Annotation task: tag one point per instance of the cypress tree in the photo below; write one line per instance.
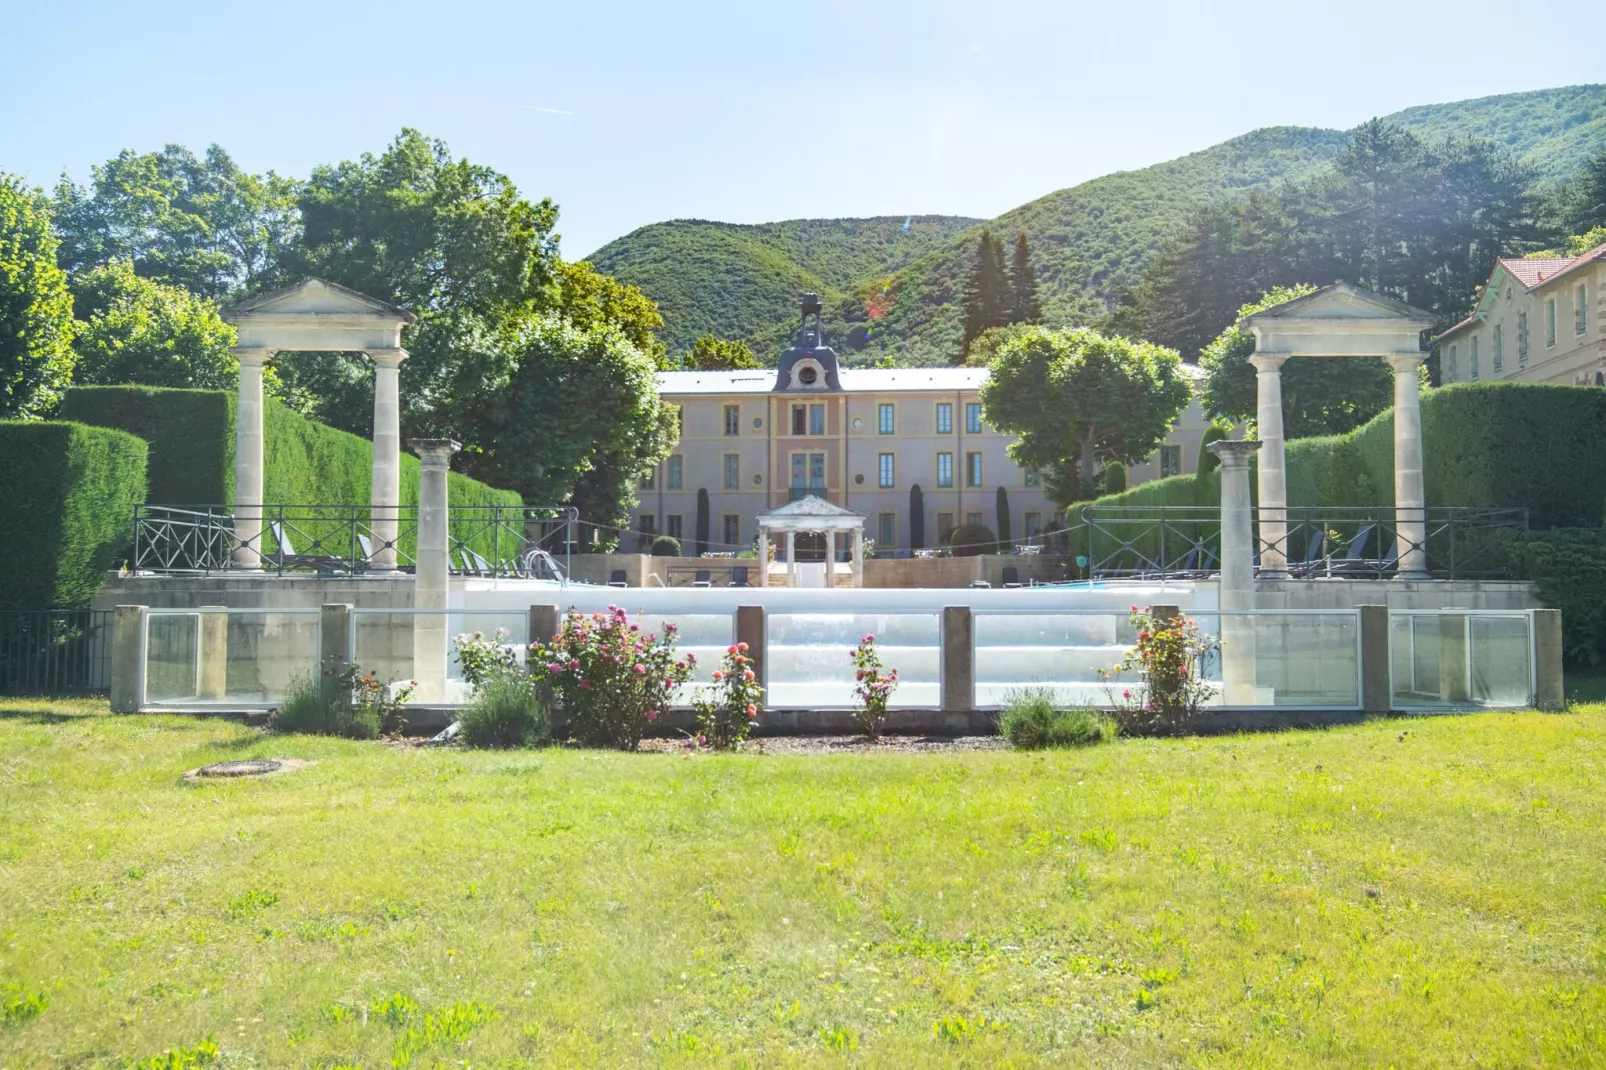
(1026, 308)
(917, 518)
(702, 521)
(987, 298)
(1003, 518)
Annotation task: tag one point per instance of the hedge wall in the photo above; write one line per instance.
(183, 429)
(1496, 445)
(191, 436)
(69, 493)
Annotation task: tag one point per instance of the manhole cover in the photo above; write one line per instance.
(253, 767)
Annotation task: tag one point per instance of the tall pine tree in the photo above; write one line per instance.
(988, 299)
(1026, 308)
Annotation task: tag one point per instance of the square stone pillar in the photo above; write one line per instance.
(248, 457)
(958, 660)
(385, 489)
(858, 557)
(750, 629)
(432, 575)
(213, 681)
(128, 658)
(334, 647)
(1273, 465)
(1377, 693)
(1548, 689)
(1410, 499)
(791, 558)
(763, 558)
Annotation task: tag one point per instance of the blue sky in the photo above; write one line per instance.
(628, 113)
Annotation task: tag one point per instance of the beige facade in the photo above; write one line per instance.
(1537, 321)
(860, 438)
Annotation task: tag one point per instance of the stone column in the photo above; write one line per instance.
(830, 558)
(385, 494)
(1549, 692)
(128, 658)
(791, 558)
(248, 458)
(763, 557)
(858, 557)
(1377, 694)
(1237, 586)
(1410, 501)
(1273, 467)
(958, 689)
(432, 576)
(334, 647)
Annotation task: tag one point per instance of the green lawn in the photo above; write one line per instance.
(1411, 892)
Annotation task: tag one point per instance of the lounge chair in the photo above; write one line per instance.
(704, 578)
(1012, 577)
(288, 558)
(738, 576)
(616, 578)
(981, 584)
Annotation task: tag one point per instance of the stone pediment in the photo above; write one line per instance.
(1339, 321)
(315, 314)
(809, 507)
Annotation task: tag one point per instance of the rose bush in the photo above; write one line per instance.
(1169, 660)
(730, 712)
(872, 687)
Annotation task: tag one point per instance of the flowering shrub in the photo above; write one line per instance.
(724, 719)
(1169, 659)
(483, 659)
(872, 687)
(612, 680)
(356, 705)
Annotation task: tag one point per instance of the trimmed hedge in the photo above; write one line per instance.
(1493, 445)
(182, 428)
(70, 492)
(1568, 566)
(191, 436)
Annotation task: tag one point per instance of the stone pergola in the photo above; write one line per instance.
(1341, 321)
(318, 315)
(810, 515)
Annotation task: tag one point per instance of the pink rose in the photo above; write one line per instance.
(641, 670)
(752, 710)
(585, 683)
(730, 650)
(748, 674)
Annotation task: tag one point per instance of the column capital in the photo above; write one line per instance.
(1268, 362)
(252, 356)
(1405, 362)
(387, 358)
(435, 451)
(1234, 454)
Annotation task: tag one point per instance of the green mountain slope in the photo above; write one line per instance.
(736, 280)
(1088, 240)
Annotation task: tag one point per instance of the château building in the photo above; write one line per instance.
(861, 438)
(1536, 321)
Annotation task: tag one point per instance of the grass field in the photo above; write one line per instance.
(1406, 892)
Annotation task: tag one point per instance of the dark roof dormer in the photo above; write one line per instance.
(810, 365)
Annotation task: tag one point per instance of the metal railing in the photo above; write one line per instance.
(55, 651)
(1178, 542)
(483, 540)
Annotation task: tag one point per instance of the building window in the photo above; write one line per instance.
(817, 471)
(973, 469)
(1034, 478)
(733, 472)
(733, 532)
(647, 524)
(1550, 322)
(945, 469)
(887, 471)
(800, 419)
(973, 519)
(1474, 356)
(1580, 309)
(1452, 367)
(945, 528)
(1522, 337)
(1170, 461)
(1500, 343)
(886, 531)
(945, 419)
(883, 417)
(972, 417)
(677, 472)
(733, 419)
(816, 419)
(652, 477)
(672, 525)
(1034, 525)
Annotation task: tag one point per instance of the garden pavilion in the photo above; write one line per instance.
(818, 522)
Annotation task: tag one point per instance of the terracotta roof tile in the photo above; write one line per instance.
(1532, 272)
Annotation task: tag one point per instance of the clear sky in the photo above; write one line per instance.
(629, 112)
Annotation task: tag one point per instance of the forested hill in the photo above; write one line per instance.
(736, 281)
(1088, 241)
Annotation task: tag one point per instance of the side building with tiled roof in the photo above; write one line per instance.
(1536, 321)
(861, 438)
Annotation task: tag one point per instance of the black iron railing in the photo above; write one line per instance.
(483, 540)
(1333, 543)
(55, 651)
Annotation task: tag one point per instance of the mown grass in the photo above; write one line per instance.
(1407, 892)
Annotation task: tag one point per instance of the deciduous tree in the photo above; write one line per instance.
(137, 330)
(1075, 398)
(709, 354)
(36, 322)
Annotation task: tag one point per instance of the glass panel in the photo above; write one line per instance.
(885, 418)
(383, 642)
(1452, 659)
(1499, 670)
(799, 463)
(816, 471)
(811, 668)
(239, 658)
(816, 419)
(1060, 651)
(1305, 660)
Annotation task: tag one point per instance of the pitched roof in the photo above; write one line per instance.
(269, 300)
(811, 507)
(1298, 307)
(1531, 273)
(854, 380)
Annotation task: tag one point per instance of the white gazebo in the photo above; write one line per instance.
(1341, 321)
(318, 315)
(810, 516)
